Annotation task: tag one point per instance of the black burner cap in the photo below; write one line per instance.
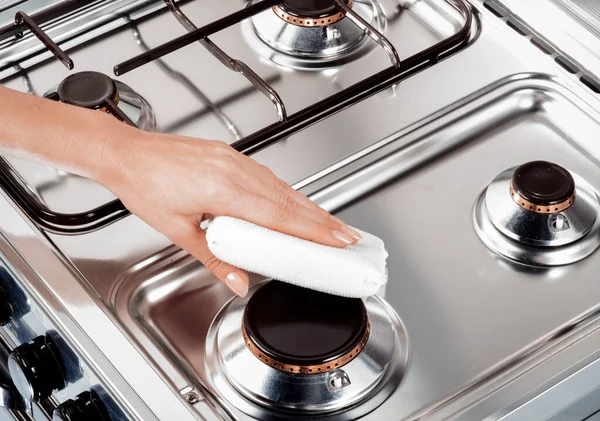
(298, 326)
(310, 8)
(543, 183)
(87, 89)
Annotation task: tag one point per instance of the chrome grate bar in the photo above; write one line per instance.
(231, 63)
(372, 32)
(191, 37)
(23, 19)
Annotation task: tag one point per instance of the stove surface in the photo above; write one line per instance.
(406, 163)
(587, 12)
(469, 316)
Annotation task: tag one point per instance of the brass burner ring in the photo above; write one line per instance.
(310, 22)
(548, 209)
(309, 369)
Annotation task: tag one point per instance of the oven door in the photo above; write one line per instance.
(12, 406)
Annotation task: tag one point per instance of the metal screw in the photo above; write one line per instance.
(192, 397)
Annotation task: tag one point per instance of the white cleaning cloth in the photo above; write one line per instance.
(356, 271)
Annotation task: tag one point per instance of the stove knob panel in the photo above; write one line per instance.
(87, 406)
(37, 368)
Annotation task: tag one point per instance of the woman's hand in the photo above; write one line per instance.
(173, 183)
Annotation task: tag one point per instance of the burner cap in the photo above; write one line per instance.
(87, 89)
(543, 184)
(303, 329)
(310, 8)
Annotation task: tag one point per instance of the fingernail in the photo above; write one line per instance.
(352, 233)
(236, 284)
(342, 237)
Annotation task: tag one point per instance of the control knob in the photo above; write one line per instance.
(6, 309)
(87, 406)
(37, 368)
(13, 301)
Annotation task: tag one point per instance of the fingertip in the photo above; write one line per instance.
(351, 232)
(237, 283)
(342, 238)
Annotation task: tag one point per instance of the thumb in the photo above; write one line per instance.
(194, 242)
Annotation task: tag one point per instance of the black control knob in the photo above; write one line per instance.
(37, 368)
(87, 406)
(10, 398)
(5, 307)
(13, 301)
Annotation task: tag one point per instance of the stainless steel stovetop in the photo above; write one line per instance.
(483, 328)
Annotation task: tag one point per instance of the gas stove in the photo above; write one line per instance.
(460, 132)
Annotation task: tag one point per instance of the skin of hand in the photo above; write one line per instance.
(171, 182)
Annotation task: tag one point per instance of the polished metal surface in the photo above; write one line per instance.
(515, 121)
(586, 12)
(370, 377)
(9, 8)
(487, 336)
(538, 229)
(232, 64)
(371, 31)
(99, 17)
(567, 27)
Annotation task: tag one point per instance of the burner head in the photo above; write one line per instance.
(87, 89)
(315, 34)
(540, 222)
(303, 331)
(542, 187)
(310, 12)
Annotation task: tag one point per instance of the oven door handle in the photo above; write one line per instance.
(10, 398)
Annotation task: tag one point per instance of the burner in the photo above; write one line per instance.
(88, 90)
(310, 12)
(260, 351)
(93, 90)
(531, 214)
(313, 34)
(303, 331)
(543, 187)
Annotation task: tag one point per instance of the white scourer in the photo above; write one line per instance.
(356, 271)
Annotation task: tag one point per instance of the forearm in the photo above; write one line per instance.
(77, 140)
